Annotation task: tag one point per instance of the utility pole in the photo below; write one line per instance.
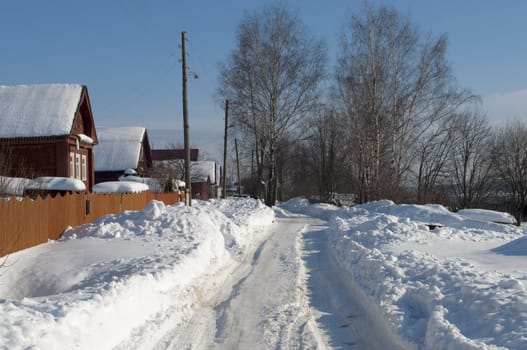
(188, 197)
(224, 175)
(238, 167)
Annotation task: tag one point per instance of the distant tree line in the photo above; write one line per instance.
(389, 123)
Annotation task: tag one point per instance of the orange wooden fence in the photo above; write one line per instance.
(29, 222)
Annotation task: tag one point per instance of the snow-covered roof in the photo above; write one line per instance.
(38, 110)
(118, 148)
(203, 169)
(56, 184)
(119, 187)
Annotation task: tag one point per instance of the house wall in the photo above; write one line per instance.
(202, 190)
(48, 156)
(144, 164)
(83, 123)
(32, 157)
(78, 151)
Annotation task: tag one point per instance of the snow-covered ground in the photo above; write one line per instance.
(103, 280)
(439, 279)
(236, 274)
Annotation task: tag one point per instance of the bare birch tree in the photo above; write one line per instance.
(395, 86)
(470, 162)
(271, 80)
(326, 150)
(432, 166)
(509, 159)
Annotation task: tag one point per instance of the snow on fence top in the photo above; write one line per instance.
(118, 148)
(56, 184)
(119, 187)
(38, 110)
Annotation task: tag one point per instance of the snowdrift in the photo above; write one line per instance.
(449, 287)
(101, 281)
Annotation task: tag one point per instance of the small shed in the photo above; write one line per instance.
(204, 177)
(47, 130)
(120, 149)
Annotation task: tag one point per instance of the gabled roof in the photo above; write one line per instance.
(119, 148)
(38, 110)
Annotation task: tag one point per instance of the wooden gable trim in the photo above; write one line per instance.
(83, 122)
(147, 152)
(33, 139)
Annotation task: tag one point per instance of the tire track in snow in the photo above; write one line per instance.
(268, 309)
(342, 313)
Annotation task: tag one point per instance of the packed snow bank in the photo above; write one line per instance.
(102, 280)
(488, 215)
(440, 288)
(320, 210)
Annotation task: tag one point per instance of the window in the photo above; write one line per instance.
(77, 166)
(83, 169)
(72, 164)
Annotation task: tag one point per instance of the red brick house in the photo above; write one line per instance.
(120, 149)
(48, 130)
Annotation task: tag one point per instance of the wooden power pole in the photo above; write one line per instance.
(238, 168)
(188, 197)
(224, 174)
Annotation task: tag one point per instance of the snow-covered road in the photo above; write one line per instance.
(285, 294)
(267, 308)
(260, 303)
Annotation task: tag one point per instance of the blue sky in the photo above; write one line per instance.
(127, 53)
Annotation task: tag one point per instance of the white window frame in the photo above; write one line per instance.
(72, 165)
(77, 166)
(83, 168)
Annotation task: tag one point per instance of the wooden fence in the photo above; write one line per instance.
(29, 222)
